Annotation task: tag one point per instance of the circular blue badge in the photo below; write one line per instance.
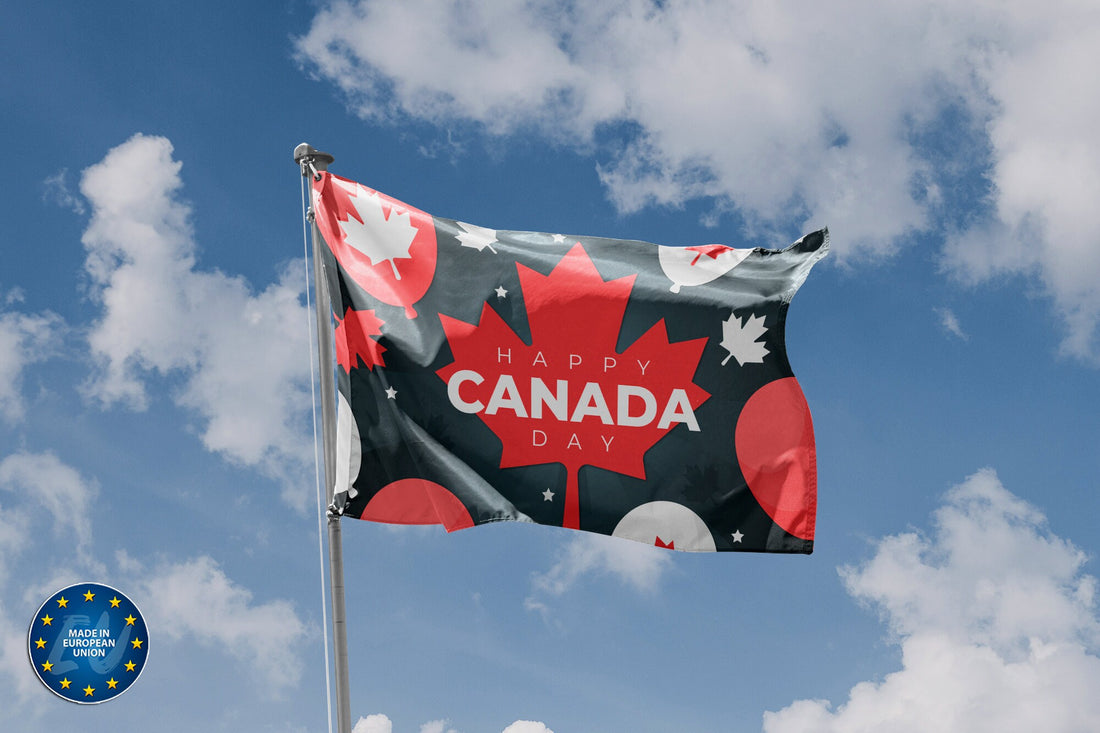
(88, 643)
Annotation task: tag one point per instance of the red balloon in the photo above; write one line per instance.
(775, 448)
(417, 501)
(394, 258)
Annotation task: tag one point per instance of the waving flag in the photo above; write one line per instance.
(611, 386)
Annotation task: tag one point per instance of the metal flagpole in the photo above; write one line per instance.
(312, 162)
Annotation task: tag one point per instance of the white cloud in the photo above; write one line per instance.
(13, 660)
(58, 489)
(25, 339)
(376, 723)
(14, 535)
(45, 503)
(42, 501)
(195, 599)
(787, 111)
(56, 188)
(379, 723)
(1046, 154)
(527, 726)
(996, 621)
(244, 355)
(756, 105)
(631, 563)
(992, 574)
(950, 323)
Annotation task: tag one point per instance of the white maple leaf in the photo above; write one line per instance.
(379, 238)
(742, 339)
(477, 237)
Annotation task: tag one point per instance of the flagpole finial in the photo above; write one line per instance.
(312, 160)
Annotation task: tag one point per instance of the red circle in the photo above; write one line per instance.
(417, 501)
(417, 271)
(774, 439)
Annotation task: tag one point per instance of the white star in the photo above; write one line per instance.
(737, 536)
(559, 238)
(501, 292)
(548, 495)
(391, 393)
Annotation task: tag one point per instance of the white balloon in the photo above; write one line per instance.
(349, 449)
(674, 524)
(690, 266)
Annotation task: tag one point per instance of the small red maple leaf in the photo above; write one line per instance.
(353, 342)
(670, 545)
(710, 250)
(569, 397)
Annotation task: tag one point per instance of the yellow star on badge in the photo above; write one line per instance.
(89, 596)
(62, 602)
(47, 619)
(130, 666)
(136, 643)
(130, 620)
(65, 683)
(114, 602)
(112, 683)
(88, 691)
(40, 643)
(47, 666)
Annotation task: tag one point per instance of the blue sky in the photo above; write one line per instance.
(155, 430)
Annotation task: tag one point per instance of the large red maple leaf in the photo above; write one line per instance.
(569, 397)
(353, 340)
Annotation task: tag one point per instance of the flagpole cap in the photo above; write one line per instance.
(307, 155)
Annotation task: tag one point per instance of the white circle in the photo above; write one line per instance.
(667, 524)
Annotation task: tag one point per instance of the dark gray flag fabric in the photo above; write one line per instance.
(612, 386)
